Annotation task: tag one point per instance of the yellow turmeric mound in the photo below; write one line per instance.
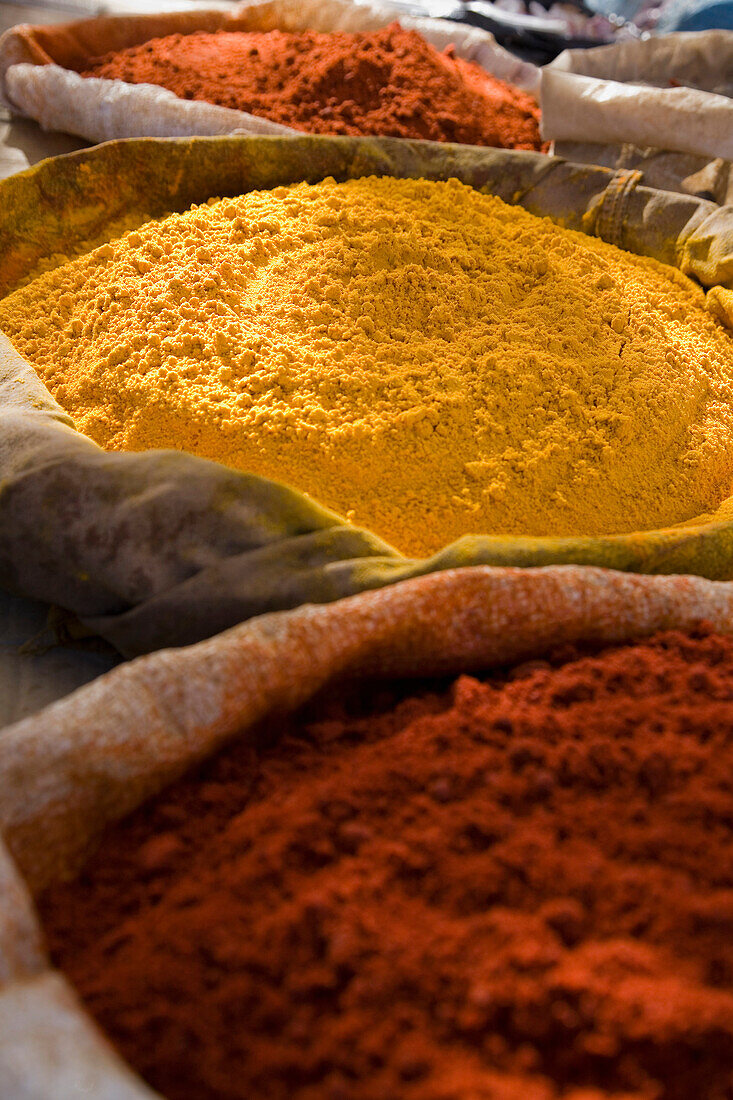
(418, 356)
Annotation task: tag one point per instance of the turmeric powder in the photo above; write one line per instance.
(421, 357)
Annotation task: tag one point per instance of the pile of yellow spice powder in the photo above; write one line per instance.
(421, 357)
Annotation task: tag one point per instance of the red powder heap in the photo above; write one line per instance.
(513, 890)
(389, 82)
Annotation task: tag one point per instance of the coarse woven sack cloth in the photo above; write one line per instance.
(163, 548)
(39, 65)
(661, 168)
(671, 92)
(90, 759)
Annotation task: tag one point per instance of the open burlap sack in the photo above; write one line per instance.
(162, 548)
(39, 65)
(672, 93)
(92, 758)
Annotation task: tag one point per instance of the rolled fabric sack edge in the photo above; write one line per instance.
(99, 110)
(95, 755)
(584, 108)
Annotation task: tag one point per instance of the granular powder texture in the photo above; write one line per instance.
(421, 357)
(515, 890)
(389, 82)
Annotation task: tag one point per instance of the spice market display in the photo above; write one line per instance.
(437, 818)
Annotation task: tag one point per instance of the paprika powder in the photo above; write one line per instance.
(520, 887)
(390, 82)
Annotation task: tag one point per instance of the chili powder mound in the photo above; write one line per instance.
(521, 888)
(390, 82)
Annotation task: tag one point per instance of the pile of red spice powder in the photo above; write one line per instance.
(519, 889)
(390, 82)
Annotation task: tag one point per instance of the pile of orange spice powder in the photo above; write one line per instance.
(512, 889)
(390, 82)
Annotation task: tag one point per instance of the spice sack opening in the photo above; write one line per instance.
(478, 773)
(278, 66)
(389, 327)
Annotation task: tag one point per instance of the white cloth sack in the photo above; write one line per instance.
(666, 93)
(102, 109)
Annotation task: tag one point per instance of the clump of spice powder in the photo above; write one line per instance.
(390, 82)
(516, 888)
